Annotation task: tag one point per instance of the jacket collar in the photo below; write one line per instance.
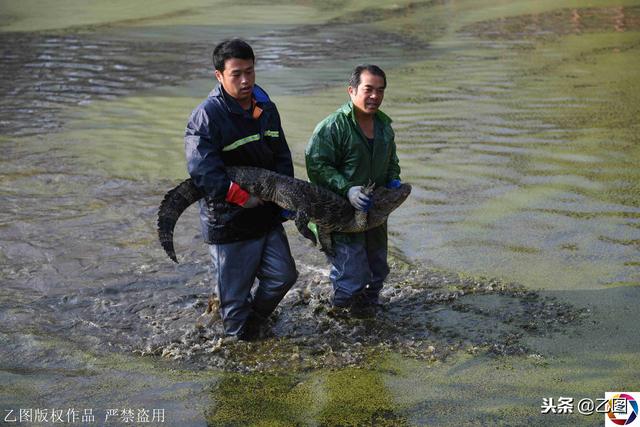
(349, 111)
(260, 98)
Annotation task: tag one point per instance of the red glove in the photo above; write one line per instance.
(237, 195)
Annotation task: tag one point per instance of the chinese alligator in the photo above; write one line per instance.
(310, 202)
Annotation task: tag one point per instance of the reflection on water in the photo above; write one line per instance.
(52, 71)
(519, 135)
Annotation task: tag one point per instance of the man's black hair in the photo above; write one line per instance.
(354, 80)
(234, 48)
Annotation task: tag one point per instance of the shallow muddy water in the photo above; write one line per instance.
(515, 264)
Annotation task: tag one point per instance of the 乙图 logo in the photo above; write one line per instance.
(622, 409)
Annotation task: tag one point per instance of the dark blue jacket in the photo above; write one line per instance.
(220, 133)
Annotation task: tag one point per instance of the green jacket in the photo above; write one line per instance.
(339, 156)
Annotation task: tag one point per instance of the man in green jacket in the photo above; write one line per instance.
(349, 149)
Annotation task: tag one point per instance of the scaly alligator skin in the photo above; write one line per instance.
(310, 202)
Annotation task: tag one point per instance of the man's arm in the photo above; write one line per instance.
(202, 150)
(322, 156)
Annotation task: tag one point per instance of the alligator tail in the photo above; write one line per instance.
(174, 203)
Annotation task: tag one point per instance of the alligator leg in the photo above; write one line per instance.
(368, 189)
(302, 222)
(326, 245)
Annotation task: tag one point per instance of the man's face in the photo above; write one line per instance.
(367, 97)
(238, 78)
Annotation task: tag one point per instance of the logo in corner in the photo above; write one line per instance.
(622, 409)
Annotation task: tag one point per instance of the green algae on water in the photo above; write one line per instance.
(348, 397)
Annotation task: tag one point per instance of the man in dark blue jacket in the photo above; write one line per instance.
(237, 125)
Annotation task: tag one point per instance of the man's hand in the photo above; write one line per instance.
(358, 199)
(241, 197)
(252, 202)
